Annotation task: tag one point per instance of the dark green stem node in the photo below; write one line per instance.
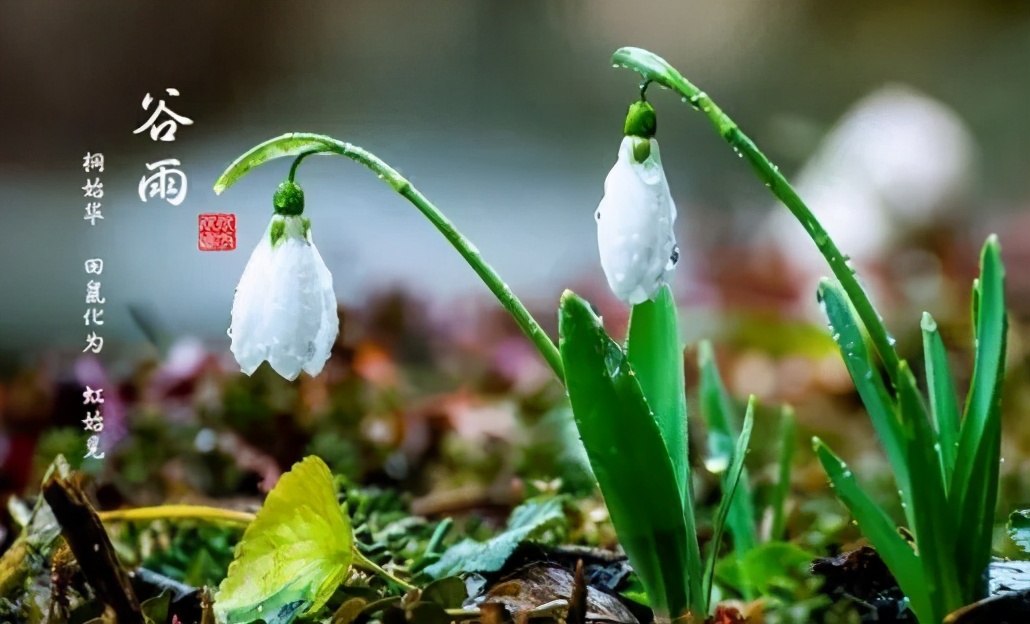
(641, 120)
(289, 199)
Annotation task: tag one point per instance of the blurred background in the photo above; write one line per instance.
(905, 125)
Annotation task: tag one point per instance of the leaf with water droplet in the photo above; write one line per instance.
(629, 457)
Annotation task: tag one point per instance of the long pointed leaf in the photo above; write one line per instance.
(934, 522)
(629, 458)
(729, 489)
(878, 527)
(847, 333)
(974, 487)
(655, 354)
(943, 402)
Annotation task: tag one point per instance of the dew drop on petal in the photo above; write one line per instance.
(674, 258)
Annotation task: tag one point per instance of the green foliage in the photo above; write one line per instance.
(655, 353)
(630, 459)
(950, 510)
(949, 495)
(293, 555)
(773, 568)
(526, 521)
(197, 556)
(630, 408)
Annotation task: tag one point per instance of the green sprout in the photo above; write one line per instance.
(946, 467)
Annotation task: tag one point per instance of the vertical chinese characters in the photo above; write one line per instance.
(93, 423)
(93, 189)
(167, 181)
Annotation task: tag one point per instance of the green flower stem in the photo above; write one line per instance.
(215, 514)
(302, 145)
(362, 561)
(655, 69)
(178, 512)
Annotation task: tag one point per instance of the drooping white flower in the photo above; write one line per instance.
(635, 223)
(284, 310)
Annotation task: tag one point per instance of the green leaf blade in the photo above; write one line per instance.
(471, 556)
(974, 487)
(293, 555)
(655, 354)
(847, 333)
(934, 521)
(943, 401)
(618, 431)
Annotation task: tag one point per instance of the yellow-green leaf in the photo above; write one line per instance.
(293, 555)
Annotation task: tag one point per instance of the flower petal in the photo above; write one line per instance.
(285, 309)
(247, 306)
(635, 225)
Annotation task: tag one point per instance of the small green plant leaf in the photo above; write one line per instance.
(717, 410)
(448, 592)
(878, 527)
(1019, 529)
(771, 568)
(729, 490)
(293, 555)
(943, 401)
(469, 555)
(630, 460)
(788, 429)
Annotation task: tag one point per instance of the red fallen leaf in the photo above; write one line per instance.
(727, 615)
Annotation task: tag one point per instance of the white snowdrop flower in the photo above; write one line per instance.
(284, 310)
(635, 217)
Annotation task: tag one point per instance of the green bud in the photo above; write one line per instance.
(641, 120)
(288, 199)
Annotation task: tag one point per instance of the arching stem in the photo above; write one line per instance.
(302, 145)
(655, 69)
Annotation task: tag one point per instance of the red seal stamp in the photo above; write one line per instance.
(216, 232)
